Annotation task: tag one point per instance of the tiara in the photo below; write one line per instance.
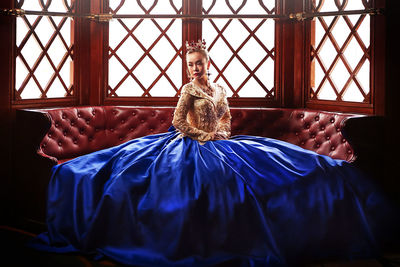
(196, 45)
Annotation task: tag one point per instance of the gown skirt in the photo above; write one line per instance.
(167, 200)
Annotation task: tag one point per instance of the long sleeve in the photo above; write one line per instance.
(224, 126)
(224, 123)
(180, 122)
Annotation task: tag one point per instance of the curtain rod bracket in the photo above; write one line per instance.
(101, 17)
(13, 12)
(300, 16)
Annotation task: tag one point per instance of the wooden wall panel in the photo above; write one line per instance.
(7, 25)
(391, 157)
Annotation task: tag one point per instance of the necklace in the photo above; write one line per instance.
(207, 89)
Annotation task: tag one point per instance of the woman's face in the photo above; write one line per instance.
(197, 65)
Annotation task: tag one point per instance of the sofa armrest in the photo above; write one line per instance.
(366, 135)
(31, 167)
(31, 127)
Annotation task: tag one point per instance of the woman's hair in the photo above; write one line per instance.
(199, 46)
(204, 52)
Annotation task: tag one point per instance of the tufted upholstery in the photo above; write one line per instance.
(76, 131)
(45, 137)
(81, 130)
(319, 131)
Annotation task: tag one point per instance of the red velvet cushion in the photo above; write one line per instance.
(80, 130)
(314, 130)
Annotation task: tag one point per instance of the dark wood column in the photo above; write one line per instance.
(98, 63)
(292, 56)
(191, 28)
(7, 31)
(82, 53)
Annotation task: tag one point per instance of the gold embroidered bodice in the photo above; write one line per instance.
(203, 117)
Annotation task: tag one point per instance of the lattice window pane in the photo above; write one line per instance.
(145, 55)
(242, 51)
(340, 53)
(44, 52)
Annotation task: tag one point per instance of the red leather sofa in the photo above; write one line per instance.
(46, 137)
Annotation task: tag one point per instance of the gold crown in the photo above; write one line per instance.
(196, 45)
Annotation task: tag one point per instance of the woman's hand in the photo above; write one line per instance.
(221, 136)
(204, 137)
(213, 136)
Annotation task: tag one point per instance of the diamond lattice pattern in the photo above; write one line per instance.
(340, 53)
(242, 51)
(145, 55)
(44, 52)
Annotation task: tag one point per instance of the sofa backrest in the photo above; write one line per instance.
(75, 131)
(319, 131)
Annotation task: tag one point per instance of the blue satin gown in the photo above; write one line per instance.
(163, 200)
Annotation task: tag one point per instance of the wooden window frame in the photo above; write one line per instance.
(292, 42)
(75, 72)
(377, 67)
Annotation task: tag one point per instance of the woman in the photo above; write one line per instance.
(194, 197)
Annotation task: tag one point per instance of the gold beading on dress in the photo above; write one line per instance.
(202, 117)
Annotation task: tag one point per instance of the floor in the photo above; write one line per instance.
(14, 238)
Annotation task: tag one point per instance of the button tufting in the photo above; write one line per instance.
(121, 138)
(122, 121)
(317, 144)
(307, 126)
(328, 138)
(75, 141)
(141, 121)
(72, 123)
(349, 151)
(301, 115)
(332, 120)
(93, 113)
(49, 135)
(337, 129)
(316, 118)
(312, 135)
(302, 143)
(332, 148)
(296, 133)
(65, 133)
(64, 116)
(162, 121)
(79, 115)
(153, 114)
(112, 130)
(343, 140)
(151, 130)
(133, 113)
(322, 128)
(87, 121)
(59, 144)
(90, 139)
(56, 124)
